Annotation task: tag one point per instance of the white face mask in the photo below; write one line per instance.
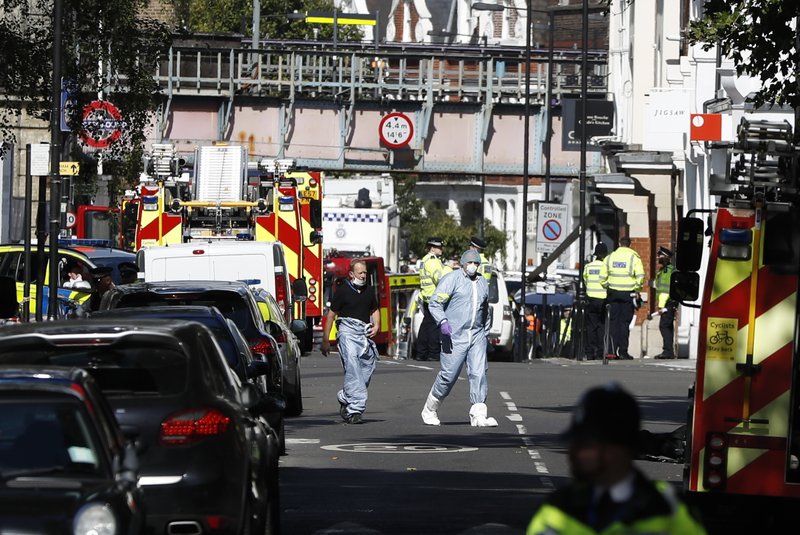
(359, 282)
(472, 269)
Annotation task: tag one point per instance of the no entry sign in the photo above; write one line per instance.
(551, 226)
(102, 124)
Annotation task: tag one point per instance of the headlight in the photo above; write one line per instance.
(95, 519)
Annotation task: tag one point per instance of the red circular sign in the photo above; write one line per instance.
(102, 124)
(396, 130)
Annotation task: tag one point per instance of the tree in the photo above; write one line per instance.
(762, 40)
(109, 51)
(423, 220)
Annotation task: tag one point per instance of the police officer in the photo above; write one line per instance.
(431, 270)
(625, 280)
(103, 282)
(128, 272)
(608, 494)
(666, 307)
(595, 277)
(477, 244)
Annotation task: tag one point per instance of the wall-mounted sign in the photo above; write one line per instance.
(599, 122)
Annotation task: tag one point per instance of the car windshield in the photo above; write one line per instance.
(46, 435)
(494, 295)
(121, 370)
(231, 304)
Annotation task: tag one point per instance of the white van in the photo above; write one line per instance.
(501, 334)
(260, 264)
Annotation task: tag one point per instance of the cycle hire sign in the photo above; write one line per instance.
(551, 226)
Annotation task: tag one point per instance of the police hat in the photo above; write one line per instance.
(101, 271)
(663, 251)
(606, 414)
(434, 242)
(475, 241)
(600, 249)
(128, 267)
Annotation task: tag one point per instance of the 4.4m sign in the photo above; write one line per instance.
(551, 226)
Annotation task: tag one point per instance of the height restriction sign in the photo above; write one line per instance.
(551, 226)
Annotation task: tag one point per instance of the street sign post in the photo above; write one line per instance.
(551, 226)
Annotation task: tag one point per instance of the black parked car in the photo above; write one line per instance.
(208, 463)
(65, 466)
(237, 353)
(234, 299)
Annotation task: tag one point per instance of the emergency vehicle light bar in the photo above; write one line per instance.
(735, 243)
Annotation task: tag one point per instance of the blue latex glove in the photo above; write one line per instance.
(445, 328)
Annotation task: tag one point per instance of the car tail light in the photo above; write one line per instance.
(280, 292)
(262, 346)
(187, 427)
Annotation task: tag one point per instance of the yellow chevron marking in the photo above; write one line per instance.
(774, 328)
(728, 274)
(289, 217)
(384, 319)
(721, 371)
(292, 260)
(739, 458)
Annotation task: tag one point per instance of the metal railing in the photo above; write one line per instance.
(301, 69)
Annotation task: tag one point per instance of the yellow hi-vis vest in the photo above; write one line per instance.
(625, 270)
(429, 274)
(485, 268)
(595, 276)
(662, 285)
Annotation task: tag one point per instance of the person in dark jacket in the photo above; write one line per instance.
(608, 494)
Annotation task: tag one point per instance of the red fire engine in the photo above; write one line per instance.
(743, 434)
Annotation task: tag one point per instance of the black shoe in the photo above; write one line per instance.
(664, 356)
(342, 409)
(354, 418)
(625, 356)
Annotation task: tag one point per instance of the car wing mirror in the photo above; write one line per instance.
(297, 326)
(257, 368)
(271, 402)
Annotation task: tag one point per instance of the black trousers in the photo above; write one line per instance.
(428, 340)
(595, 321)
(621, 316)
(666, 324)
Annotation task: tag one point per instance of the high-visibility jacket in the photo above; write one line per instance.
(662, 285)
(565, 332)
(595, 276)
(430, 272)
(625, 270)
(656, 509)
(485, 268)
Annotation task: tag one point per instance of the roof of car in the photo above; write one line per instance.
(82, 327)
(183, 286)
(162, 311)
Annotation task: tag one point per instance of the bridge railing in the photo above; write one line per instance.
(400, 72)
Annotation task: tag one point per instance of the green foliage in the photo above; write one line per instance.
(236, 16)
(423, 220)
(760, 38)
(97, 36)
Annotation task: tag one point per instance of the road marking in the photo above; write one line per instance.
(527, 441)
(420, 367)
(302, 441)
(388, 447)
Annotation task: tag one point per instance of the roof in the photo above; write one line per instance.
(163, 311)
(112, 328)
(183, 286)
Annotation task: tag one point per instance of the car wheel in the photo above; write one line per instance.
(294, 405)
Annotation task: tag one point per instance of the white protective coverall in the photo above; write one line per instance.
(463, 301)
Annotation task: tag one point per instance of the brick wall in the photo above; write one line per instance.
(159, 10)
(644, 246)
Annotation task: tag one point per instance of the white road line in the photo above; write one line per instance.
(527, 442)
(302, 441)
(420, 367)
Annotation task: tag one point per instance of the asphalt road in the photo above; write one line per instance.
(394, 475)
